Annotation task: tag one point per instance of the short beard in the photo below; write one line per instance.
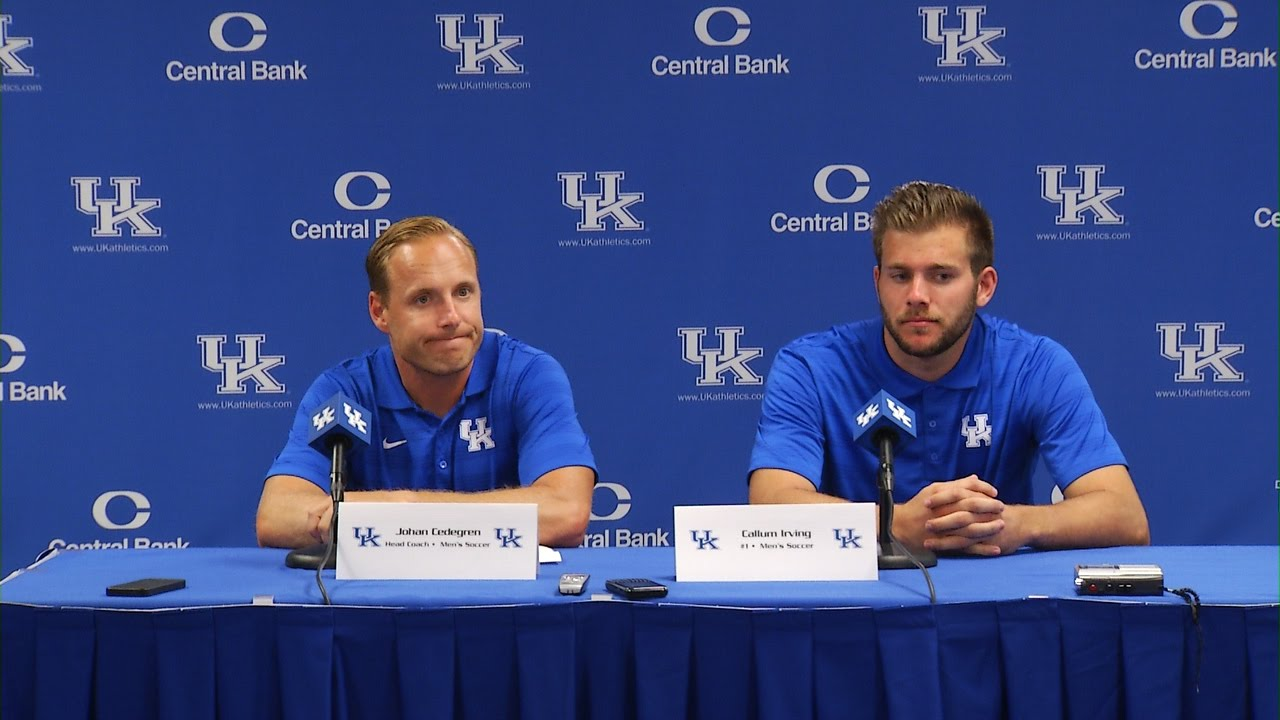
(950, 335)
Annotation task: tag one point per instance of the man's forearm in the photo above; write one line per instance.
(1095, 519)
(289, 512)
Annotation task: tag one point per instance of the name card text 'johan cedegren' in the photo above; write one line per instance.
(437, 541)
(835, 541)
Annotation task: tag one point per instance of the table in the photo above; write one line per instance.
(1008, 637)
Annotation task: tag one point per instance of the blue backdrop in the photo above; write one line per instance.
(662, 194)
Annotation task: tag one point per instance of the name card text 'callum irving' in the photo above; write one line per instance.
(780, 535)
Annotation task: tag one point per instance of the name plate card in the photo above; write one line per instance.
(437, 541)
(830, 541)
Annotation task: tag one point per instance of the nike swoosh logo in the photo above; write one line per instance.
(387, 444)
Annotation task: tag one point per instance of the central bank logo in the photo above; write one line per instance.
(250, 364)
(856, 184)
(970, 39)
(380, 183)
(705, 540)
(1210, 353)
(836, 184)
(10, 45)
(368, 536)
(622, 501)
(477, 433)
(478, 52)
(1090, 195)
(120, 510)
(235, 34)
(1217, 13)
(714, 362)
(13, 355)
(356, 191)
(111, 211)
(610, 202)
(141, 510)
(257, 32)
(740, 30)
(1201, 21)
(721, 26)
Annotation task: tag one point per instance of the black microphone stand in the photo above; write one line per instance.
(326, 554)
(892, 555)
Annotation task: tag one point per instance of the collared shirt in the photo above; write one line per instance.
(1012, 396)
(514, 423)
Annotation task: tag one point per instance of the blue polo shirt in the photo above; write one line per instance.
(1013, 396)
(514, 423)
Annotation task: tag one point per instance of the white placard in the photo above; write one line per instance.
(832, 541)
(437, 541)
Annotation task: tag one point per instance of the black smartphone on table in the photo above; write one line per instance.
(636, 588)
(146, 587)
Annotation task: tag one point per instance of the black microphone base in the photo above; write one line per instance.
(309, 558)
(898, 560)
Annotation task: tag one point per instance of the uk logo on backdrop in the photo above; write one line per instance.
(966, 42)
(12, 64)
(837, 185)
(1206, 356)
(1209, 28)
(116, 205)
(721, 30)
(13, 356)
(487, 55)
(610, 203)
(722, 359)
(607, 201)
(1081, 195)
(488, 49)
(242, 365)
(356, 191)
(234, 35)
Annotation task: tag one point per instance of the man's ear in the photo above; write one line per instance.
(987, 281)
(377, 311)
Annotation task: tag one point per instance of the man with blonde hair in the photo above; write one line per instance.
(458, 414)
(990, 398)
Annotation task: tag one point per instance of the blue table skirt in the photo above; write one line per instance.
(1031, 658)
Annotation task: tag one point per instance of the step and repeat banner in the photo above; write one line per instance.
(662, 195)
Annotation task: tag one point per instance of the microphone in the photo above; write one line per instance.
(339, 424)
(339, 421)
(884, 423)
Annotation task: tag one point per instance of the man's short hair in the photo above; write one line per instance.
(401, 232)
(921, 206)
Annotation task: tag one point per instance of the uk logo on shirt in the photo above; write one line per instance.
(477, 433)
(976, 430)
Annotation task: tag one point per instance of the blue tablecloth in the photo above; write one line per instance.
(1008, 637)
